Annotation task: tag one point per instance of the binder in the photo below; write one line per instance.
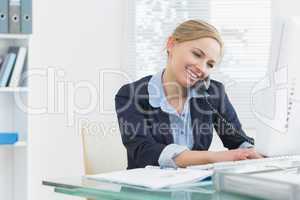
(26, 16)
(8, 138)
(1, 61)
(6, 69)
(19, 64)
(283, 184)
(4, 16)
(14, 16)
(267, 180)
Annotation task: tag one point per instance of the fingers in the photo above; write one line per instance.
(243, 155)
(239, 154)
(253, 154)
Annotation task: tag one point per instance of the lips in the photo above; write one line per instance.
(193, 76)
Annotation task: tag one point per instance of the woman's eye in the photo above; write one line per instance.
(197, 54)
(210, 65)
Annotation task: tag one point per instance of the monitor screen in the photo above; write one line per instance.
(276, 98)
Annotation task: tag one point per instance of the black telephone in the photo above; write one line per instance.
(201, 87)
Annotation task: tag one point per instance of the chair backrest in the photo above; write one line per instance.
(103, 153)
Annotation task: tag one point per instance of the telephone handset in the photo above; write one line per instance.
(202, 87)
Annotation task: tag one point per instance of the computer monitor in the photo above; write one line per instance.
(276, 98)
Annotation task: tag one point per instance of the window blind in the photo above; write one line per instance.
(245, 26)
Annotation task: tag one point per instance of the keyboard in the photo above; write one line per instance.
(243, 166)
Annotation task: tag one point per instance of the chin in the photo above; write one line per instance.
(186, 82)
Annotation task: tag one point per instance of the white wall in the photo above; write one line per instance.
(285, 8)
(79, 37)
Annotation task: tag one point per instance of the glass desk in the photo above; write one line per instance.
(97, 190)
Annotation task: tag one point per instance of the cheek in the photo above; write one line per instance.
(179, 67)
(179, 70)
(182, 61)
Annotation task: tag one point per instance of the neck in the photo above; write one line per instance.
(173, 90)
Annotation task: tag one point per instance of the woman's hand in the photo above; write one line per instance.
(234, 155)
(188, 158)
(254, 154)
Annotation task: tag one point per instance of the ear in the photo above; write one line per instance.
(170, 44)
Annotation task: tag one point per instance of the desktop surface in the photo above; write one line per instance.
(83, 187)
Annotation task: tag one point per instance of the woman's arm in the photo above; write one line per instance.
(188, 157)
(142, 149)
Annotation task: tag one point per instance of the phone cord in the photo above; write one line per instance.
(249, 140)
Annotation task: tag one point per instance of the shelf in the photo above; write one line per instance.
(14, 36)
(20, 144)
(16, 145)
(13, 89)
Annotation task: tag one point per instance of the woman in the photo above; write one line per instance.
(168, 119)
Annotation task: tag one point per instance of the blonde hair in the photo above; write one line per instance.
(197, 29)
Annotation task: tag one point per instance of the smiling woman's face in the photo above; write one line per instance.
(193, 60)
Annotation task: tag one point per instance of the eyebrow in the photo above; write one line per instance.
(204, 54)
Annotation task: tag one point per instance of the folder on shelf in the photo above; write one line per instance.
(7, 68)
(19, 64)
(26, 16)
(8, 138)
(1, 61)
(14, 16)
(4, 16)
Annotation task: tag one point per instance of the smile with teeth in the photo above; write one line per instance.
(192, 75)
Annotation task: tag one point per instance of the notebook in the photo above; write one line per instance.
(153, 178)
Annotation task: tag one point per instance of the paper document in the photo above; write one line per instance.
(153, 178)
